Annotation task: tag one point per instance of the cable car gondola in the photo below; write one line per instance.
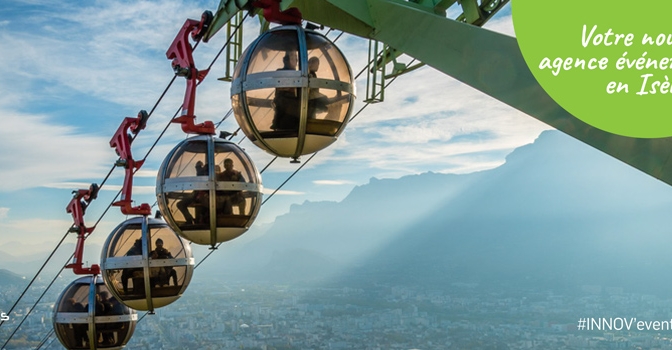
(208, 190)
(292, 91)
(145, 264)
(86, 310)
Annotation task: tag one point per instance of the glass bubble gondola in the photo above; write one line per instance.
(85, 311)
(208, 190)
(145, 264)
(292, 91)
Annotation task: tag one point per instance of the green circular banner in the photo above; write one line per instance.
(607, 63)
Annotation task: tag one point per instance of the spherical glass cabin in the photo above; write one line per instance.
(208, 190)
(292, 91)
(145, 264)
(86, 310)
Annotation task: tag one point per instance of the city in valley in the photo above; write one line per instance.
(216, 314)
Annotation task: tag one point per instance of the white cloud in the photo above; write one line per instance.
(3, 212)
(116, 54)
(503, 24)
(48, 231)
(34, 230)
(146, 173)
(136, 189)
(106, 187)
(68, 185)
(139, 189)
(269, 191)
(36, 151)
(113, 51)
(333, 182)
(429, 121)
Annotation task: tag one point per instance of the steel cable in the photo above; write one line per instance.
(285, 181)
(101, 185)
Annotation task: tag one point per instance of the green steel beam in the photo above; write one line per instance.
(472, 12)
(489, 62)
(353, 15)
(439, 6)
(225, 11)
(492, 63)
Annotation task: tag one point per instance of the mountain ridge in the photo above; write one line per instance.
(557, 212)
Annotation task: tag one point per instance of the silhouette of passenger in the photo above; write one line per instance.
(313, 66)
(227, 199)
(197, 199)
(287, 100)
(127, 274)
(160, 252)
(317, 102)
(114, 309)
(79, 330)
(164, 274)
(103, 305)
(104, 308)
(201, 169)
(136, 249)
(73, 306)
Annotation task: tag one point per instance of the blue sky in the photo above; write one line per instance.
(71, 71)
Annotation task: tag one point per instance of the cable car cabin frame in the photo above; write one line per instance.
(195, 200)
(75, 324)
(137, 277)
(291, 111)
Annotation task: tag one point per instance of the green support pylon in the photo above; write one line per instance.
(375, 74)
(235, 47)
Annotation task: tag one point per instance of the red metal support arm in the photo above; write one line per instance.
(121, 141)
(273, 14)
(180, 52)
(77, 207)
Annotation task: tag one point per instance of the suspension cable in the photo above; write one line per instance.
(44, 340)
(299, 168)
(55, 277)
(49, 258)
(32, 308)
(101, 185)
(286, 180)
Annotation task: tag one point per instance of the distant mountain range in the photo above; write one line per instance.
(28, 264)
(10, 278)
(557, 214)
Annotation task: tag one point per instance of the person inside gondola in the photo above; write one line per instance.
(127, 274)
(103, 304)
(73, 306)
(136, 249)
(163, 274)
(114, 308)
(198, 199)
(287, 100)
(79, 329)
(104, 308)
(317, 102)
(226, 200)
